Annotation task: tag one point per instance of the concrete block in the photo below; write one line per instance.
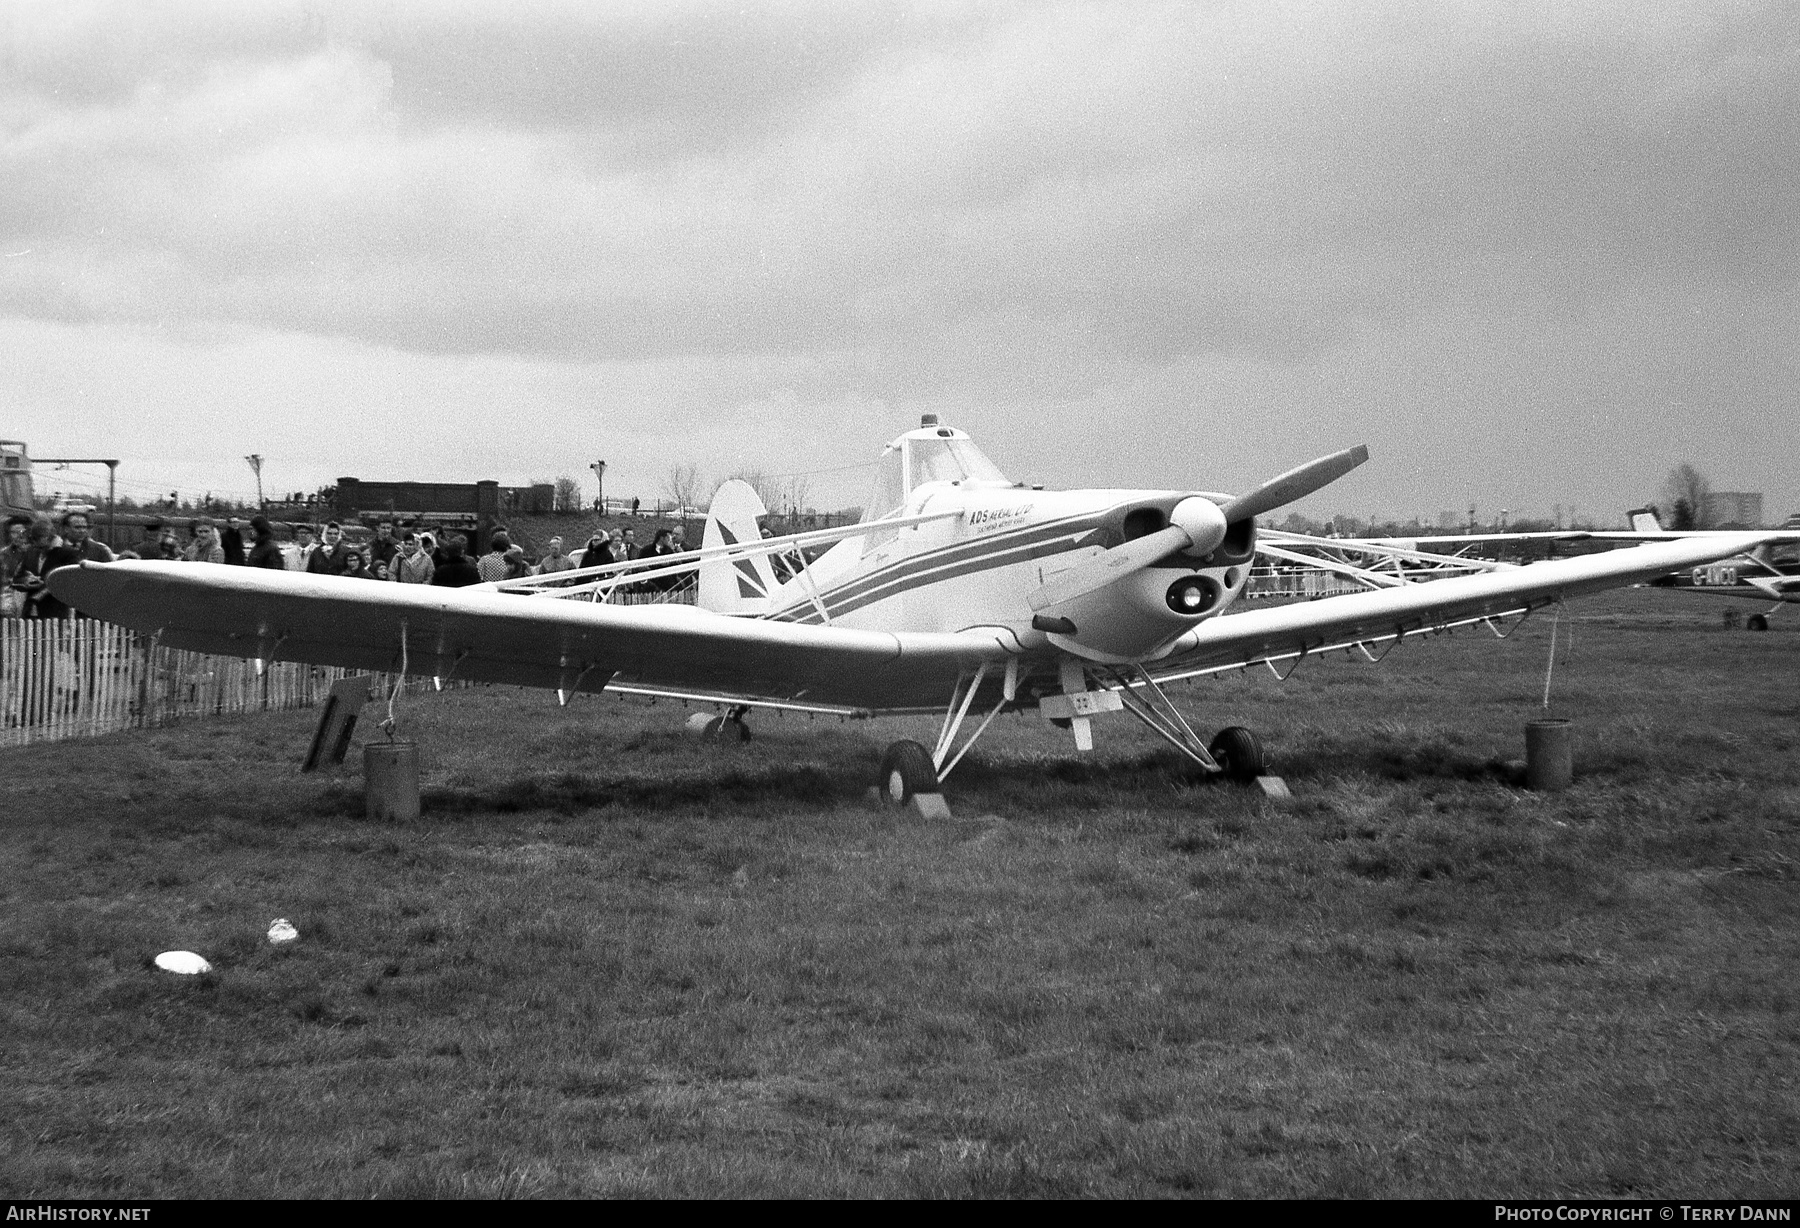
(1273, 786)
(930, 806)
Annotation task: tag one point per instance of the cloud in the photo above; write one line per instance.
(1046, 207)
(1222, 179)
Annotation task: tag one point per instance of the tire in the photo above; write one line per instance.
(726, 729)
(1757, 622)
(906, 769)
(1240, 753)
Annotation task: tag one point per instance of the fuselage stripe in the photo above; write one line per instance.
(949, 562)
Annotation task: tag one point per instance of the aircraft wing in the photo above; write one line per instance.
(1287, 632)
(1469, 539)
(483, 635)
(1557, 535)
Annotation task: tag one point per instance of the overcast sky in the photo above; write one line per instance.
(1529, 253)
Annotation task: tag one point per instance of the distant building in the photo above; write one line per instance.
(473, 508)
(1447, 521)
(1734, 509)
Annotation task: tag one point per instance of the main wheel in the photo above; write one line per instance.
(1757, 622)
(907, 769)
(1240, 753)
(726, 729)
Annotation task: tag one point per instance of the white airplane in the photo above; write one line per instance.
(960, 592)
(1763, 574)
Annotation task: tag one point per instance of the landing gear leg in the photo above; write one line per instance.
(1234, 753)
(910, 773)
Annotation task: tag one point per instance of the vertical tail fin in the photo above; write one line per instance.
(736, 585)
(1643, 520)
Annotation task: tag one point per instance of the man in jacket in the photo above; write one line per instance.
(75, 532)
(265, 553)
(456, 571)
(44, 553)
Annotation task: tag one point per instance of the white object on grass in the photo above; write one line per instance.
(282, 930)
(186, 963)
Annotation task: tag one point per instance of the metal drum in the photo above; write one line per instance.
(391, 780)
(1549, 755)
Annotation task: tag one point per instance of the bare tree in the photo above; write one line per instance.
(796, 489)
(1686, 489)
(568, 494)
(683, 484)
(767, 488)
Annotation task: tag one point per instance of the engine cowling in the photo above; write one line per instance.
(1137, 616)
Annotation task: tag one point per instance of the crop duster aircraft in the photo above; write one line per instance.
(959, 592)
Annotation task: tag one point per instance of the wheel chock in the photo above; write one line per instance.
(930, 806)
(1273, 786)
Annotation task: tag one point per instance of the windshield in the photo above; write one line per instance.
(950, 460)
(931, 460)
(890, 485)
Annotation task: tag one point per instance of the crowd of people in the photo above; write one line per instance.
(401, 554)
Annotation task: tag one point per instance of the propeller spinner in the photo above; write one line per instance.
(1196, 525)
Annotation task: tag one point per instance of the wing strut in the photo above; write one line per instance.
(953, 716)
(1158, 713)
(959, 708)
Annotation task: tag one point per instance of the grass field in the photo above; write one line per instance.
(609, 960)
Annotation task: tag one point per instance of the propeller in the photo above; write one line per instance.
(1296, 483)
(1196, 525)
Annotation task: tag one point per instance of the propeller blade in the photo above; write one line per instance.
(1103, 569)
(1296, 483)
(1196, 525)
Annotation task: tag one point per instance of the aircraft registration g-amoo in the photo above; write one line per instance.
(959, 592)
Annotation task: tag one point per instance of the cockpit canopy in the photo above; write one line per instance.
(933, 453)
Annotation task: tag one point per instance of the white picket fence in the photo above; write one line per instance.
(1299, 582)
(79, 678)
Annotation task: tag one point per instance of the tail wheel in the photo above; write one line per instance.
(1240, 753)
(907, 769)
(726, 729)
(1757, 622)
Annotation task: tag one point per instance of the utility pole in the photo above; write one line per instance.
(599, 468)
(112, 478)
(255, 462)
